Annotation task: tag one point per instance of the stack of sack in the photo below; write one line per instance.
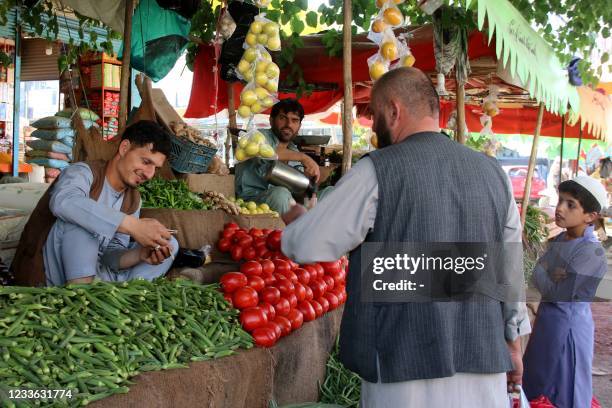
(55, 135)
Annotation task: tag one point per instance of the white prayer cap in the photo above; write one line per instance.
(594, 187)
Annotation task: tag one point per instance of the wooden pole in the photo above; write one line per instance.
(125, 67)
(532, 162)
(461, 136)
(562, 142)
(347, 108)
(231, 109)
(578, 154)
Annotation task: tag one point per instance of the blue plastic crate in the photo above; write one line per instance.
(189, 157)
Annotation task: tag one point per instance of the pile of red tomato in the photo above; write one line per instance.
(274, 294)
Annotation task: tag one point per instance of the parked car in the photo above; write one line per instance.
(518, 175)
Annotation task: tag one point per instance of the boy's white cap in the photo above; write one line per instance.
(595, 188)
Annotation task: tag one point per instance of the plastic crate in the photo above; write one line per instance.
(189, 157)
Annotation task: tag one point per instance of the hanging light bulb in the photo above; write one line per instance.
(49, 49)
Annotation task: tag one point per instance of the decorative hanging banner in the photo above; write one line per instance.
(595, 112)
(529, 56)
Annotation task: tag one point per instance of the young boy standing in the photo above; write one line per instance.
(559, 356)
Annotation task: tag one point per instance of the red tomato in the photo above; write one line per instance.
(245, 241)
(274, 240)
(303, 275)
(282, 307)
(239, 234)
(245, 297)
(285, 286)
(281, 266)
(255, 232)
(251, 268)
(268, 310)
(236, 253)
(318, 287)
(324, 303)
(293, 300)
(292, 264)
(320, 270)
(267, 267)
(228, 297)
(232, 281)
(259, 242)
(284, 323)
(252, 318)
(317, 308)
(309, 294)
(307, 310)
(300, 292)
(266, 231)
(339, 278)
(296, 318)
(228, 233)
(270, 295)
(291, 276)
(264, 336)
(331, 268)
(332, 299)
(231, 225)
(312, 271)
(340, 292)
(224, 245)
(278, 330)
(329, 282)
(256, 282)
(269, 280)
(249, 253)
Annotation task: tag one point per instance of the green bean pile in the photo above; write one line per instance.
(341, 386)
(93, 338)
(159, 193)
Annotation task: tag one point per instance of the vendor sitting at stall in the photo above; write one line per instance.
(251, 185)
(81, 227)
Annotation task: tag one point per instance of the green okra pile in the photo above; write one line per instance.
(341, 386)
(92, 338)
(160, 193)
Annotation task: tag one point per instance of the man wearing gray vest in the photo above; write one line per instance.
(420, 186)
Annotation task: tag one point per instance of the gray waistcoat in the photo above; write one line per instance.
(431, 189)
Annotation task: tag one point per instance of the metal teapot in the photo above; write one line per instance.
(281, 174)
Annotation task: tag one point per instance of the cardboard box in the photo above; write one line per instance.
(211, 182)
(199, 228)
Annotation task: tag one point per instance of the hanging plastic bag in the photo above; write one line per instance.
(263, 32)
(489, 103)
(227, 25)
(255, 99)
(390, 47)
(378, 66)
(267, 75)
(252, 143)
(406, 59)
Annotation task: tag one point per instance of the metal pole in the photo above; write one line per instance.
(562, 141)
(125, 67)
(16, 95)
(578, 154)
(532, 162)
(347, 109)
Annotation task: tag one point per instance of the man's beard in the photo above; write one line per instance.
(285, 138)
(383, 133)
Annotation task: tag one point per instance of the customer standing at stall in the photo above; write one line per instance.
(420, 186)
(81, 227)
(251, 185)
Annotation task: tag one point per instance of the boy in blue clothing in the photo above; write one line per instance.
(559, 356)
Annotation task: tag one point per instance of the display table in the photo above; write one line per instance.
(288, 373)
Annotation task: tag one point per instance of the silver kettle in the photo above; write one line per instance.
(281, 174)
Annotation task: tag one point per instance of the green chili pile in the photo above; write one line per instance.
(92, 338)
(159, 193)
(341, 386)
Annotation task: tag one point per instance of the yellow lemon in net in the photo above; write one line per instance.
(388, 51)
(240, 154)
(393, 16)
(248, 97)
(261, 67)
(261, 92)
(243, 66)
(408, 60)
(261, 79)
(256, 27)
(251, 205)
(262, 39)
(266, 151)
(252, 149)
(256, 108)
(248, 76)
(251, 39)
(250, 54)
(272, 86)
(274, 43)
(272, 70)
(244, 111)
(377, 69)
(271, 29)
(267, 102)
(378, 26)
(258, 137)
(242, 143)
(265, 55)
